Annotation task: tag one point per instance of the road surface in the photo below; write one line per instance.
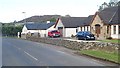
(17, 52)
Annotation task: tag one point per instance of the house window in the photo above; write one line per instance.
(114, 29)
(119, 29)
(107, 29)
(81, 28)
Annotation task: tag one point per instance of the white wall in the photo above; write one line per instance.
(70, 31)
(42, 33)
(117, 35)
(24, 30)
(79, 28)
(59, 24)
(32, 31)
(82, 28)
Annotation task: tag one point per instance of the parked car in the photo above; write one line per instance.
(54, 33)
(85, 35)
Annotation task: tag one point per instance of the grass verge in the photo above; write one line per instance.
(111, 41)
(102, 55)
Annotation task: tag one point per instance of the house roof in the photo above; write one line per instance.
(39, 26)
(109, 15)
(87, 21)
(72, 22)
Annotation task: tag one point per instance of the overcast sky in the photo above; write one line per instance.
(11, 10)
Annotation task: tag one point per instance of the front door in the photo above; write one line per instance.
(97, 29)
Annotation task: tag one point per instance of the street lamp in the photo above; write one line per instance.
(24, 17)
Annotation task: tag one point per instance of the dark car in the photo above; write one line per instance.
(54, 33)
(85, 35)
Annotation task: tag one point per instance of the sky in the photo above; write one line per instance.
(11, 10)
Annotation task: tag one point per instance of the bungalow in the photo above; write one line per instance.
(68, 25)
(41, 29)
(103, 24)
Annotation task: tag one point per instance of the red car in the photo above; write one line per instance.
(54, 33)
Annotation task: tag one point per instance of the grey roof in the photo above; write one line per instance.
(72, 22)
(39, 26)
(87, 21)
(109, 15)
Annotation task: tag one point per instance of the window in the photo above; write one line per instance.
(119, 29)
(114, 29)
(107, 29)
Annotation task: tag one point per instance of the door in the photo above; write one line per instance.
(97, 29)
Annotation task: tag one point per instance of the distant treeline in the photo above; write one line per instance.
(9, 29)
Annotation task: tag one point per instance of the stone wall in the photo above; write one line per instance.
(109, 47)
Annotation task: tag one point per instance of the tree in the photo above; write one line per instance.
(118, 4)
(67, 15)
(100, 8)
(104, 5)
(8, 30)
(53, 20)
(112, 4)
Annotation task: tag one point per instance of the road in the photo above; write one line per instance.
(17, 52)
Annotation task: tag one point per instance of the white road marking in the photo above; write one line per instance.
(30, 56)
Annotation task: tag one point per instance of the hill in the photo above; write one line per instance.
(40, 18)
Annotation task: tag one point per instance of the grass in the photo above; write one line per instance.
(102, 55)
(112, 41)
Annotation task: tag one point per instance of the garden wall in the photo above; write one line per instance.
(109, 47)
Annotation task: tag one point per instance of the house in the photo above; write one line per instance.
(103, 24)
(68, 25)
(106, 24)
(40, 29)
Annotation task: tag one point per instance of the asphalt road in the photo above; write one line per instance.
(17, 52)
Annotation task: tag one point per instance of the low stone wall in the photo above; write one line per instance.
(109, 47)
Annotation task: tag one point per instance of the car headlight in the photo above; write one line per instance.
(88, 36)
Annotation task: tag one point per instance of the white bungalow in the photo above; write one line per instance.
(38, 28)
